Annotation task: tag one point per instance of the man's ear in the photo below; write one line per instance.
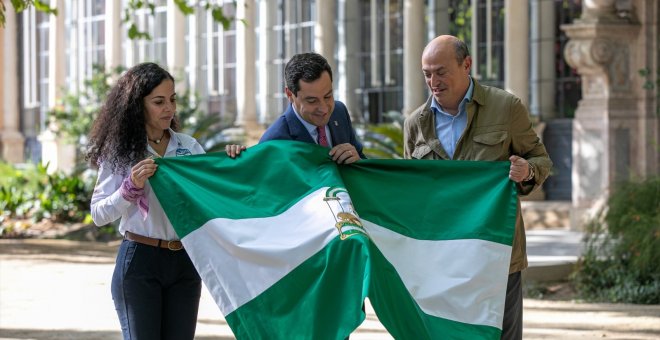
(467, 63)
(289, 94)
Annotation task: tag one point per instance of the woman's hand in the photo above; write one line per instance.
(142, 171)
(234, 150)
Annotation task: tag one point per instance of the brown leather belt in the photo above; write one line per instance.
(154, 242)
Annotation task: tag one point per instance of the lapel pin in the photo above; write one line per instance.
(336, 124)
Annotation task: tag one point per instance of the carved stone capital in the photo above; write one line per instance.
(602, 54)
(589, 56)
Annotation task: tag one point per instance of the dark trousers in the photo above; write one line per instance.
(512, 324)
(156, 292)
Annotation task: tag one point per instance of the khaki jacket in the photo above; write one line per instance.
(498, 126)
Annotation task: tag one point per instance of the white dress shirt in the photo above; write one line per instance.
(108, 204)
(311, 128)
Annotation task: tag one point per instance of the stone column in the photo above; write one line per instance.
(246, 61)
(55, 151)
(325, 31)
(176, 26)
(269, 80)
(516, 48)
(438, 24)
(542, 77)
(112, 35)
(414, 24)
(348, 72)
(11, 139)
(608, 120)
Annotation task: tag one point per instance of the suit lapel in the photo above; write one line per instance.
(336, 130)
(297, 130)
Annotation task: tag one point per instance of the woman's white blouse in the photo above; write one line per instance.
(108, 204)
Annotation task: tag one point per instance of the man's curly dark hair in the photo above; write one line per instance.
(118, 137)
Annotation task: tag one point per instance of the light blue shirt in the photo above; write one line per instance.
(449, 128)
(311, 128)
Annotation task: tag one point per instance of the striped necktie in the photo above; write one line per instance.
(323, 139)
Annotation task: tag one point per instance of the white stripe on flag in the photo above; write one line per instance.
(465, 288)
(258, 251)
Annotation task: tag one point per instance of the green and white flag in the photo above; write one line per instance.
(287, 253)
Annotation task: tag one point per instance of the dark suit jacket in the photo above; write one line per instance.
(288, 127)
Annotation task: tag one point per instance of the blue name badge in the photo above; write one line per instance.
(183, 152)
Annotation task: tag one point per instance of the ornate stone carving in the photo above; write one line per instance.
(619, 71)
(601, 50)
(602, 62)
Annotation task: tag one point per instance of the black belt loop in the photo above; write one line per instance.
(159, 241)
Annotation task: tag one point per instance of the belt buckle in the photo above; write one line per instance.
(170, 245)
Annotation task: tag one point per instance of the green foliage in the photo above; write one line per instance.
(206, 128)
(460, 23)
(622, 258)
(21, 5)
(77, 111)
(32, 193)
(385, 140)
(634, 218)
(219, 15)
(40, 6)
(133, 6)
(651, 85)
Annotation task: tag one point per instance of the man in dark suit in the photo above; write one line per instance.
(313, 115)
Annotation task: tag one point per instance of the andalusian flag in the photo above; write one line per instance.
(290, 243)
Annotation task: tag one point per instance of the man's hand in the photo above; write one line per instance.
(142, 171)
(344, 154)
(234, 150)
(519, 169)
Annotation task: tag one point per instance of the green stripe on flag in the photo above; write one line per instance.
(435, 200)
(320, 299)
(195, 189)
(266, 245)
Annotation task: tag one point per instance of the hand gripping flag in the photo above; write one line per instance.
(290, 244)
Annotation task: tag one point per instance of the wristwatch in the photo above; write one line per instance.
(531, 173)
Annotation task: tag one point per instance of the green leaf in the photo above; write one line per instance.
(19, 5)
(219, 16)
(644, 72)
(40, 6)
(183, 7)
(135, 33)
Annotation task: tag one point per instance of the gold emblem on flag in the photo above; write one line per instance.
(347, 221)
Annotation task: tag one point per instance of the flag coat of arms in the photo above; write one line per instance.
(290, 244)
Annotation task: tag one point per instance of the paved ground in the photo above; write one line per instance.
(60, 290)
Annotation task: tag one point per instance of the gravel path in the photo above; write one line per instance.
(55, 289)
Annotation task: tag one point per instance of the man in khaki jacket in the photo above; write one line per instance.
(463, 120)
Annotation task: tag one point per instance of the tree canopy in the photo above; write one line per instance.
(217, 12)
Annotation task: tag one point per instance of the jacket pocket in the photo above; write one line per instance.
(491, 138)
(490, 146)
(421, 151)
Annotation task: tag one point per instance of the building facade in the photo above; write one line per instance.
(575, 63)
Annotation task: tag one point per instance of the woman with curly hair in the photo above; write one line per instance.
(155, 287)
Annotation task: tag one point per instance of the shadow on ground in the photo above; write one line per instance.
(59, 250)
(69, 334)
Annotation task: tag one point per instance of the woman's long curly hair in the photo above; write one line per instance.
(119, 137)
